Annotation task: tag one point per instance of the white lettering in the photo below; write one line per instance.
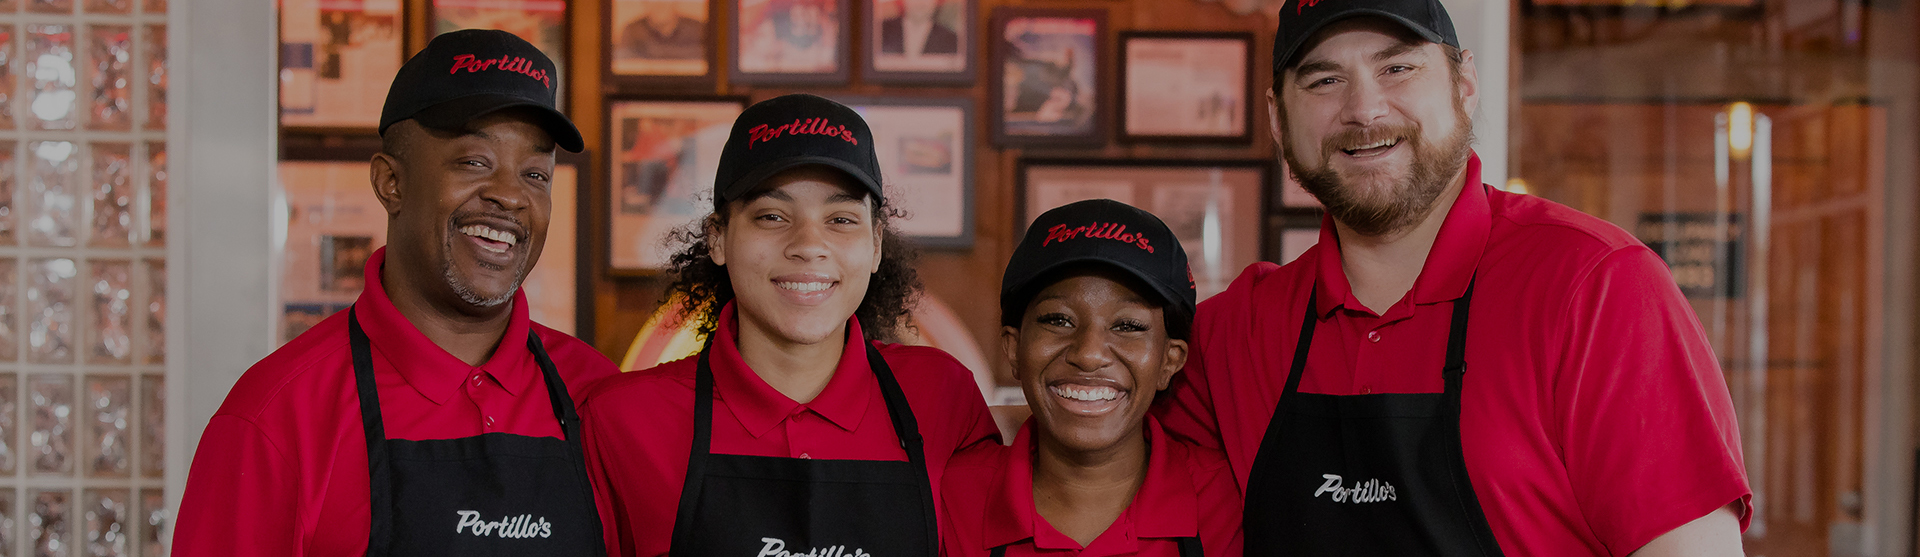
(1370, 491)
(776, 547)
(511, 527)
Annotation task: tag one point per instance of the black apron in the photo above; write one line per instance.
(494, 494)
(743, 506)
(1189, 547)
(1374, 474)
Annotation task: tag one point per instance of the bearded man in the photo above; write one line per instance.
(1582, 412)
(434, 417)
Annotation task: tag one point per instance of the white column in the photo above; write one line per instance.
(1484, 30)
(222, 141)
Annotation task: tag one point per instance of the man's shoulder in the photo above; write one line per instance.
(311, 363)
(578, 362)
(1547, 229)
(671, 380)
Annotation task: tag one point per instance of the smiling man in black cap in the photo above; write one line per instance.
(1580, 411)
(434, 417)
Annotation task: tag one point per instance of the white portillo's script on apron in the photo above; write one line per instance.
(777, 547)
(1370, 491)
(523, 526)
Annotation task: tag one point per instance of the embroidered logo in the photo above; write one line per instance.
(777, 547)
(811, 126)
(1370, 491)
(514, 64)
(1304, 4)
(1104, 231)
(513, 527)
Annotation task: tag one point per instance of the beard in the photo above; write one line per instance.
(465, 291)
(1380, 203)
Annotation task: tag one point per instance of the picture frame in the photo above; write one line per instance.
(662, 154)
(334, 223)
(645, 51)
(925, 147)
(1048, 76)
(1186, 87)
(1215, 207)
(542, 23)
(789, 42)
(336, 62)
(919, 42)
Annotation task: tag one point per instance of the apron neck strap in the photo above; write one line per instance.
(1456, 362)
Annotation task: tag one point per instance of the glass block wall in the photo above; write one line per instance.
(83, 186)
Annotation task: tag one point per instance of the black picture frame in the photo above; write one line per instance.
(628, 227)
(842, 56)
(641, 81)
(1007, 126)
(1232, 112)
(952, 178)
(876, 32)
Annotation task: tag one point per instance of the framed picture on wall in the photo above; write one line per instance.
(336, 61)
(925, 146)
(1186, 87)
(335, 223)
(1213, 207)
(790, 42)
(920, 42)
(659, 42)
(1046, 75)
(664, 152)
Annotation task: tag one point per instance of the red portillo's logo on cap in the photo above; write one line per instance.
(811, 126)
(1102, 230)
(1304, 4)
(514, 64)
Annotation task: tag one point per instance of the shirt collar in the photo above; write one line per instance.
(1165, 506)
(759, 406)
(426, 366)
(1450, 265)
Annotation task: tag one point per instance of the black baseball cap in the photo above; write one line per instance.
(1100, 232)
(467, 74)
(1300, 19)
(790, 131)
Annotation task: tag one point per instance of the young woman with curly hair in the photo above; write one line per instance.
(796, 431)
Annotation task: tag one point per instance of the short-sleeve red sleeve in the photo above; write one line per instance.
(1646, 423)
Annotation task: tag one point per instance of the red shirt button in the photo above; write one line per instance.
(489, 422)
(1373, 336)
(804, 455)
(476, 379)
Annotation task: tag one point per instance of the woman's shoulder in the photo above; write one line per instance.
(669, 380)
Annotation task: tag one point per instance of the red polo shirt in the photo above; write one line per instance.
(282, 467)
(1594, 414)
(639, 426)
(1189, 491)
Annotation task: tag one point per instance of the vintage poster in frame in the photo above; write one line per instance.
(336, 61)
(540, 22)
(664, 155)
(660, 42)
(1181, 87)
(925, 146)
(334, 223)
(919, 42)
(1214, 207)
(790, 42)
(1046, 75)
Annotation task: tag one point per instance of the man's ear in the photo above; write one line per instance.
(1273, 116)
(1469, 85)
(384, 174)
(716, 239)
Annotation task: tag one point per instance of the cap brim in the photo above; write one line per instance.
(1173, 300)
(457, 112)
(1280, 62)
(768, 169)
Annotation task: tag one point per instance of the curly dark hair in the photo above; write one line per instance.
(891, 293)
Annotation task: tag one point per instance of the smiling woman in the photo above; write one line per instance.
(792, 276)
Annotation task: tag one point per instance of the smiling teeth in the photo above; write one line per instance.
(805, 286)
(483, 231)
(1377, 144)
(1085, 394)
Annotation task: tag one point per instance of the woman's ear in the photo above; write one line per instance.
(1175, 360)
(716, 239)
(1010, 347)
